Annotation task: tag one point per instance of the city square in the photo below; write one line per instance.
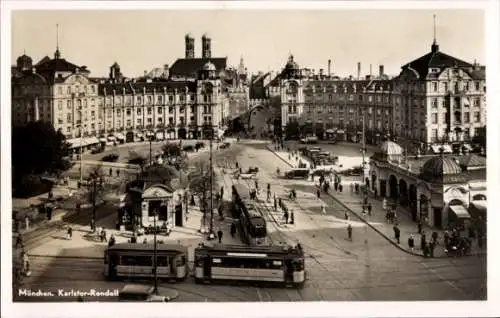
(209, 182)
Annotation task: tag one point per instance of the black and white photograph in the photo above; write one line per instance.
(254, 155)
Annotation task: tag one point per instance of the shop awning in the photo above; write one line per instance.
(437, 148)
(480, 204)
(82, 142)
(103, 139)
(477, 186)
(139, 135)
(119, 136)
(340, 131)
(460, 211)
(330, 131)
(111, 138)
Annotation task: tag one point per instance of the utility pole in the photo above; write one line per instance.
(363, 150)
(211, 188)
(155, 266)
(81, 148)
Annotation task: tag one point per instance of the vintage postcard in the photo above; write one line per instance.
(259, 155)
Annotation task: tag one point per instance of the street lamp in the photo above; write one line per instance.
(155, 265)
(363, 150)
(81, 146)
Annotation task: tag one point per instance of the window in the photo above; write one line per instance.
(477, 117)
(59, 90)
(477, 102)
(159, 110)
(128, 111)
(129, 123)
(139, 100)
(59, 105)
(92, 113)
(160, 99)
(138, 111)
(466, 133)
(170, 110)
(68, 130)
(149, 110)
(181, 109)
(160, 120)
(181, 98)
(434, 118)
(370, 98)
(434, 86)
(170, 98)
(150, 120)
(466, 117)
(434, 103)
(93, 88)
(445, 86)
(477, 86)
(139, 121)
(435, 133)
(118, 112)
(68, 103)
(330, 97)
(68, 90)
(68, 118)
(109, 114)
(60, 121)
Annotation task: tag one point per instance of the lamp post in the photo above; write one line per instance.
(211, 188)
(363, 150)
(81, 146)
(155, 266)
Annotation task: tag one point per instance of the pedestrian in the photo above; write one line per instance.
(336, 186)
(70, 233)
(145, 241)
(110, 172)
(256, 185)
(219, 235)
(419, 226)
(435, 237)
(446, 239)
(285, 216)
(318, 193)
(346, 215)
(233, 229)
(112, 240)
(104, 235)
(349, 232)
(397, 233)
(432, 245)
(369, 209)
(292, 218)
(118, 172)
(222, 192)
(411, 243)
(365, 200)
(133, 239)
(323, 208)
(422, 241)
(340, 187)
(19, 241)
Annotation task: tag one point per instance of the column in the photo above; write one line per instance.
(37, 110)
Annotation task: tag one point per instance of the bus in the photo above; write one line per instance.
(273, 264)
(251, 221)
(127, 260)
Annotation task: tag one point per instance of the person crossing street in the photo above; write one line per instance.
(349, 232)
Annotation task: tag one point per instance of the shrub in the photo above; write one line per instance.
(31, 185)
(199, 145)
(112, 157)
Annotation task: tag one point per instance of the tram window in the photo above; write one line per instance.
(216, 261)
(199, 260)
(114, 259)
(298, 265)
(137, 260)
(162, 261)
(277, 263)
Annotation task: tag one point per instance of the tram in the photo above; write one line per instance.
(132, 261)
(276, 264)
(251, 220)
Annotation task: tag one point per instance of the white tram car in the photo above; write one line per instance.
(278, 264)
(131, 261)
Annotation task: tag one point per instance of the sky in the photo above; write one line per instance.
(141, 40)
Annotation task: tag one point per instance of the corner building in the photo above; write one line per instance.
(436, 99)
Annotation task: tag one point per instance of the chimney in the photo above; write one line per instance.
(359, 70)
(329, 68)
(321, 73)
(370, 70)
(381, 70)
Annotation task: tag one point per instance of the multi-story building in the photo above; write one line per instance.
(436, 98)
(439, 99)
(323, 104)
(177, 102)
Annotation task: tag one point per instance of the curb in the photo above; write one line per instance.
(371, 226)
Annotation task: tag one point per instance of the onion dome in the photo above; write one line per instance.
(291, 64)
(438, 166)
(209, 66)
(24, 61)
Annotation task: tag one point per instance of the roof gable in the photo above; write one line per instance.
(190, 67)
(435, 59)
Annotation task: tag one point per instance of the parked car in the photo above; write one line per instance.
(297, 174)
(140, 293)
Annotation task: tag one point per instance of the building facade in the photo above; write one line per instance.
(436, 188)
(436, 98)
(183, 101)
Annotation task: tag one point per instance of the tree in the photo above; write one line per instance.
(37, 148)
(96, 190)
(171, 149)
(292, 130)
(199, 183)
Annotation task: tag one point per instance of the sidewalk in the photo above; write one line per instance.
(353, 203)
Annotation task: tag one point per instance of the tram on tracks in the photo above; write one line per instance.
(251, 221)
(132, 261)
(274, 264)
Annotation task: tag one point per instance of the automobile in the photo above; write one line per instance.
(140, 293)
(253, 170)
(297, 174)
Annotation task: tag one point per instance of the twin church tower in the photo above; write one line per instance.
(206, 44)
